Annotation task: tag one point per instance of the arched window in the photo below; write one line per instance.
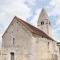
(42, 23)
(12, 56)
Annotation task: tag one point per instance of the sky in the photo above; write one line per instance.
(29, 11)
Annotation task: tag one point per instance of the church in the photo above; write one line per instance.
(22, 41)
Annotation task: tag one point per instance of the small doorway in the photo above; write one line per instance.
(12, 56)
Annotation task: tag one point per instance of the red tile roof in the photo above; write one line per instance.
(33, 29)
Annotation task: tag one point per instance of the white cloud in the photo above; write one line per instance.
(17, 7)
(31, 2)
(58, 22)
(55, 2)
(56, 9)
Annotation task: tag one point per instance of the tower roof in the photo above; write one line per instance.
(43, 15)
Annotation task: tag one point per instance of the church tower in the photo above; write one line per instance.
(43, 23)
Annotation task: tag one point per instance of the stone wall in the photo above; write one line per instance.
(22, 42)
(43, 51)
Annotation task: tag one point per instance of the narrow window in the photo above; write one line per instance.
(48, 45)
(49, 23)
(42, 36)
(12, 56)
(13, 40)
(42, 23)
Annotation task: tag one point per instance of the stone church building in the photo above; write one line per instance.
(22, 41)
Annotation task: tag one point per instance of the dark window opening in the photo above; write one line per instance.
(17, 22)
(49, 23)
(48, 45)
(13, 40)
(42, 36)
(12, 56)
(42, 23)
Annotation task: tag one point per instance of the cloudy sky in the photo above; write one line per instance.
(29, 10)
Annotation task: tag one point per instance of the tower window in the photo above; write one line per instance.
(42, 23)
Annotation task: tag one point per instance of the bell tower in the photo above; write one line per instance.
(43, 23)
